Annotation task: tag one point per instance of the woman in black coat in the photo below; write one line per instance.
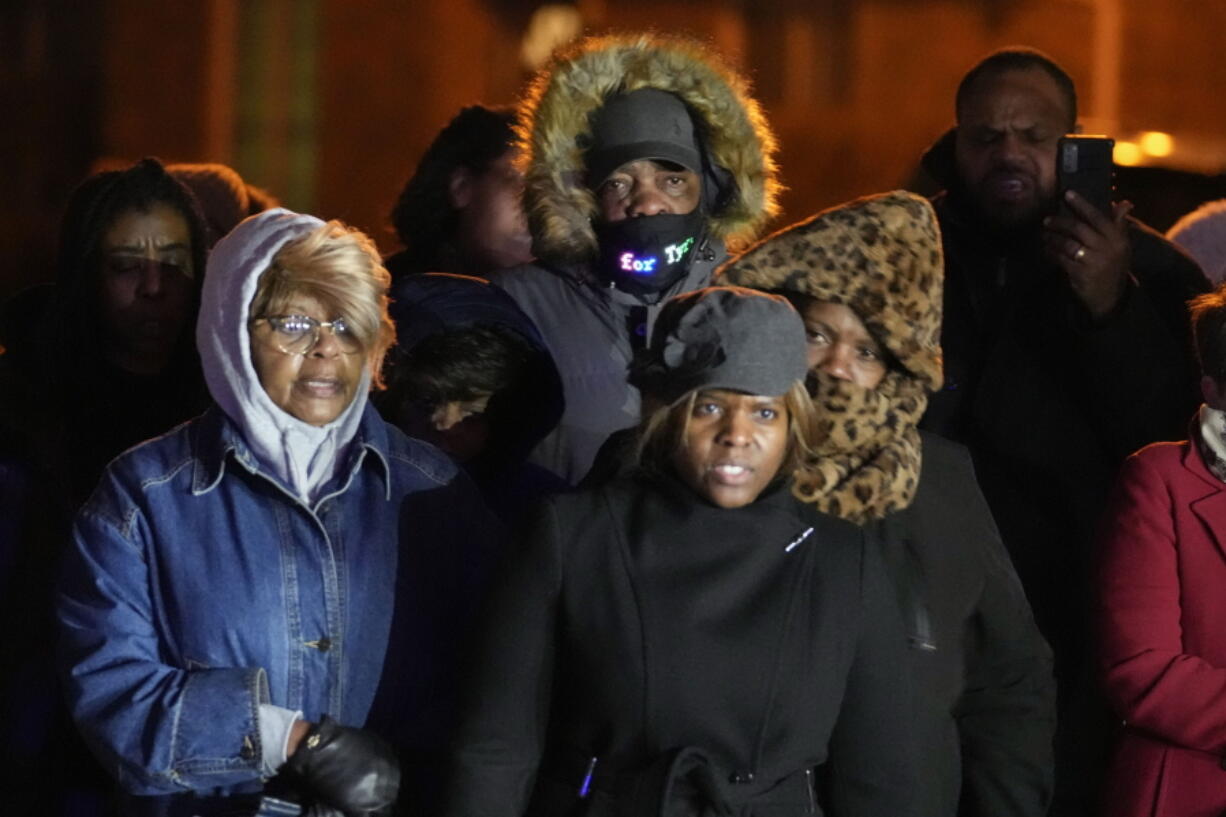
(690, 638)
(866, 278)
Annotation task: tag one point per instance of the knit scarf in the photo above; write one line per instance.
(866, 463)
(1212, 439)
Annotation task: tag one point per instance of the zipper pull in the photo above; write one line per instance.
(585, 788)
(792, 545)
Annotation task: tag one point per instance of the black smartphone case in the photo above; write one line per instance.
(1084, 165)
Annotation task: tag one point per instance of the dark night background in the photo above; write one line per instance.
(329, 103)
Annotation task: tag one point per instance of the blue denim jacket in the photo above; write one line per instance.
(199, 588)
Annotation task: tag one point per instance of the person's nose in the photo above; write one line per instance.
(646, 200)
(1011, 150)
(736, 430)
(151, 283)
(326, 344)
(838, 362)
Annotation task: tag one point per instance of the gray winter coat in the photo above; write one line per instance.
(591, 330)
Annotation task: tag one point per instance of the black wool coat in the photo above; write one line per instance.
(984, 691)
(1049, 403)
(638, 620)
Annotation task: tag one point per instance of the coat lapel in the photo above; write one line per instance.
(1211, 507)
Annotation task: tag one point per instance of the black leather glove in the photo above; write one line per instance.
(351, 770)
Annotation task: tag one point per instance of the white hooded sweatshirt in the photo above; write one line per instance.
(301, 456)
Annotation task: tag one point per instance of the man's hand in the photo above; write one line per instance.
(1092, 249)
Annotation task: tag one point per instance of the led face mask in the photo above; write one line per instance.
(649, 254)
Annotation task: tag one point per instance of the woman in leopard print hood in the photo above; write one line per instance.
(867, 279)
(880, 259)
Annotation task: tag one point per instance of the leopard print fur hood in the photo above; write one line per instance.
(881, 256)
(553, 131)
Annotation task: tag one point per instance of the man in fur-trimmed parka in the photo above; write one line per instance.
(644, 158)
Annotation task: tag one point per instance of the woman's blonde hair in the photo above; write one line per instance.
(661, 433)
(340, 267)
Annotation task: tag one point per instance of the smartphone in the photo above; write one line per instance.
(1084, 165)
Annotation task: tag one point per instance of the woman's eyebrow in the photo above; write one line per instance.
(136, 248)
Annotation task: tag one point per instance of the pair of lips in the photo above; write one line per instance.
(730, 473)
(319, 386)
(1009, 185)
(154, 327)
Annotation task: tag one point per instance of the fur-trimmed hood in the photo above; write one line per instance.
(554, 130)
(880, 255)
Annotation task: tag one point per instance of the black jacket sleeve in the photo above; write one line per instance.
(871, 768)
(1006, 712)
(502, 730)
(1137, 366)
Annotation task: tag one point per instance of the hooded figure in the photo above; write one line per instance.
(225, 199)
(880, 256)
(644, 158)
(470, 374)
(247, 584)
(94, 363)
(104, 358)
(984, 708)
(301, 454)
(1202, 234)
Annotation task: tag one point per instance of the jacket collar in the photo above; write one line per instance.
(1194, 461)
(217, 441)
(1210, 507)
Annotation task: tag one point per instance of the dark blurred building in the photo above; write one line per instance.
(328, 103)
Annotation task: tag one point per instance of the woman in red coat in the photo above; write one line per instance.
(1163, 607)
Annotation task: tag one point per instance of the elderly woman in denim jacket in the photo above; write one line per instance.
(247, 592)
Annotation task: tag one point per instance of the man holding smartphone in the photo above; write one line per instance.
(1066, 348)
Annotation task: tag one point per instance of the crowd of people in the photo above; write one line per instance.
(590, 500)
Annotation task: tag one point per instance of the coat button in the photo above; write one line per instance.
(248, 750)
(740, 778)
(323, 644)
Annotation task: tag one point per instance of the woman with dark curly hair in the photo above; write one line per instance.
(94, 363)
(110, 359)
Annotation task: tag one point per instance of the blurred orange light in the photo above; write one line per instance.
(1157, 143)
(1128, 153)
(551, 26)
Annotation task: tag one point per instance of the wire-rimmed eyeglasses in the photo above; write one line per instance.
(299, 334)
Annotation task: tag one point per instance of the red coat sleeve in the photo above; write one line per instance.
(1153, 680)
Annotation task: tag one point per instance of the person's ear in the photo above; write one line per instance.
(460, 187)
